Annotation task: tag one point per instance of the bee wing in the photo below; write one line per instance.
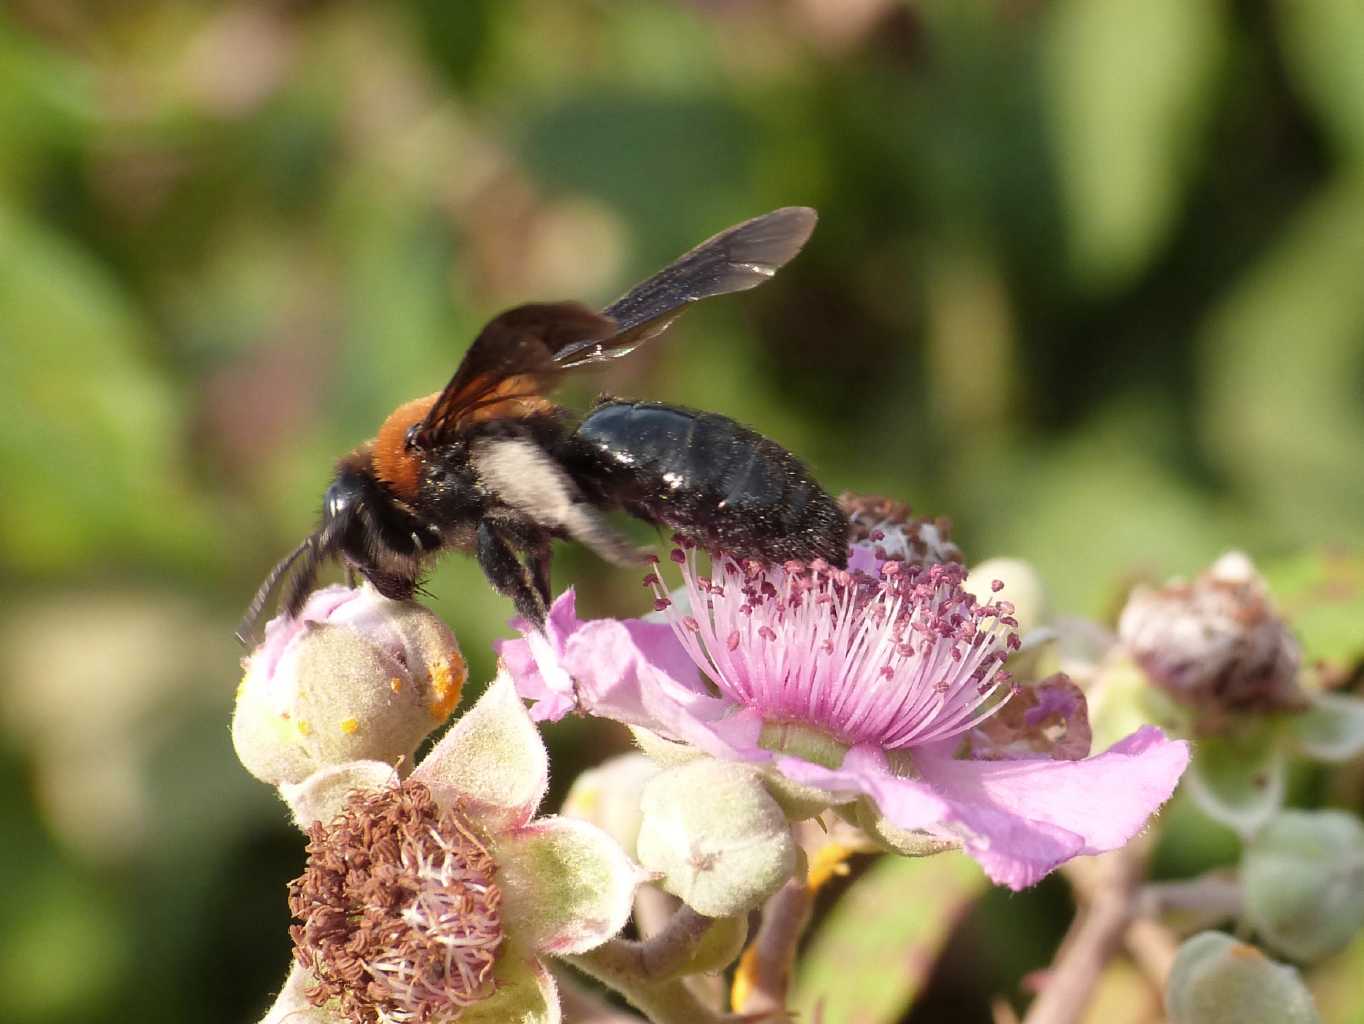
(520, 353)
(513, 357)
(738, 258)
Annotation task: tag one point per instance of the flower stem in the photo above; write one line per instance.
(1095, 935)
(645, 973)
(765, 969)
(663, 1002)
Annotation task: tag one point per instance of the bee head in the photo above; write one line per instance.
(340, 510)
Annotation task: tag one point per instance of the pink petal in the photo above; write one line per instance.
(533, 660)
(632, 671)
(616, 663)
(1024, 818)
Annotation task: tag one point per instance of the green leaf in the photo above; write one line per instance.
(1130, 87)
(1332, 729)
(1321, 42)
(1238, 781)
(1282, 416)
(1321, 593)
(91, 464)
(870, 957)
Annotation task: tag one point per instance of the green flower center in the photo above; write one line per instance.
(802, 741)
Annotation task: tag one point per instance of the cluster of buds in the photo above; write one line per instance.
(431, 896)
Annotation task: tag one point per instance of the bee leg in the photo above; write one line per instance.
(352, 578)
(392, 585)
(507, 575)
(540, 558)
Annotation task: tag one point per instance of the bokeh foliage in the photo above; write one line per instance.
(1087, 280)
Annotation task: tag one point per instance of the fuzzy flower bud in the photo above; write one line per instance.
(608, 796)
(1216, 644)
(719, 840)
(355, 676)
(1217, 980)
(1304, 882)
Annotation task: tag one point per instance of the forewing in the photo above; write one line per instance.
(512, 359)
(735, 260)
(520, 353)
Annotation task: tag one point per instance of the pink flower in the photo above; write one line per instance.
(863, 688)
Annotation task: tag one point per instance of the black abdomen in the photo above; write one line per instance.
(709, 478)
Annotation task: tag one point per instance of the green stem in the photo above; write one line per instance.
(663, 1002)
(647, 973)
(785, 918)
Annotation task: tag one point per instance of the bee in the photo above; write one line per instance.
(490, 465)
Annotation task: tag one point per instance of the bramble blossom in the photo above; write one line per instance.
(854, 687)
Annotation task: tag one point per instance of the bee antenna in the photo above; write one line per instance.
(246, 630)
(317, 546)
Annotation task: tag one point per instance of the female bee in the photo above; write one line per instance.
(490, 465)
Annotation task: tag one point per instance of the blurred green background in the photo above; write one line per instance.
(1089, 279)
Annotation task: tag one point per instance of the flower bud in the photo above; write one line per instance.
(608, 796)
(1216, 644)
(1021, 586)
(1217, 980)
(354, 677)
(1303, 877)
(715, 835)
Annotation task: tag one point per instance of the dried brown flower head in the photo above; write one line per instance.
(891, 530)
(400, 917)
(1217, 644)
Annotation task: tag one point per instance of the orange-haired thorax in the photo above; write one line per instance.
(396, 466)
(401, 469)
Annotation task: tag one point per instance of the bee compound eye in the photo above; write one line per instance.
(337, 501)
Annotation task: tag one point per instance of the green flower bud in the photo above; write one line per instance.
(608, 796)
(1217, 980)
(1303, 877)
(715, 836)
(354, 677)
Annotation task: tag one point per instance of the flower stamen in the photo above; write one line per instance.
(400, 918)
(904, 658)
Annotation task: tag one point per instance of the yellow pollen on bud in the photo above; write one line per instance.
(396, 684)
(241, 688)
(829, 861)
(447, 682)
(583, 803)
(350, 726)
(304, 727)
